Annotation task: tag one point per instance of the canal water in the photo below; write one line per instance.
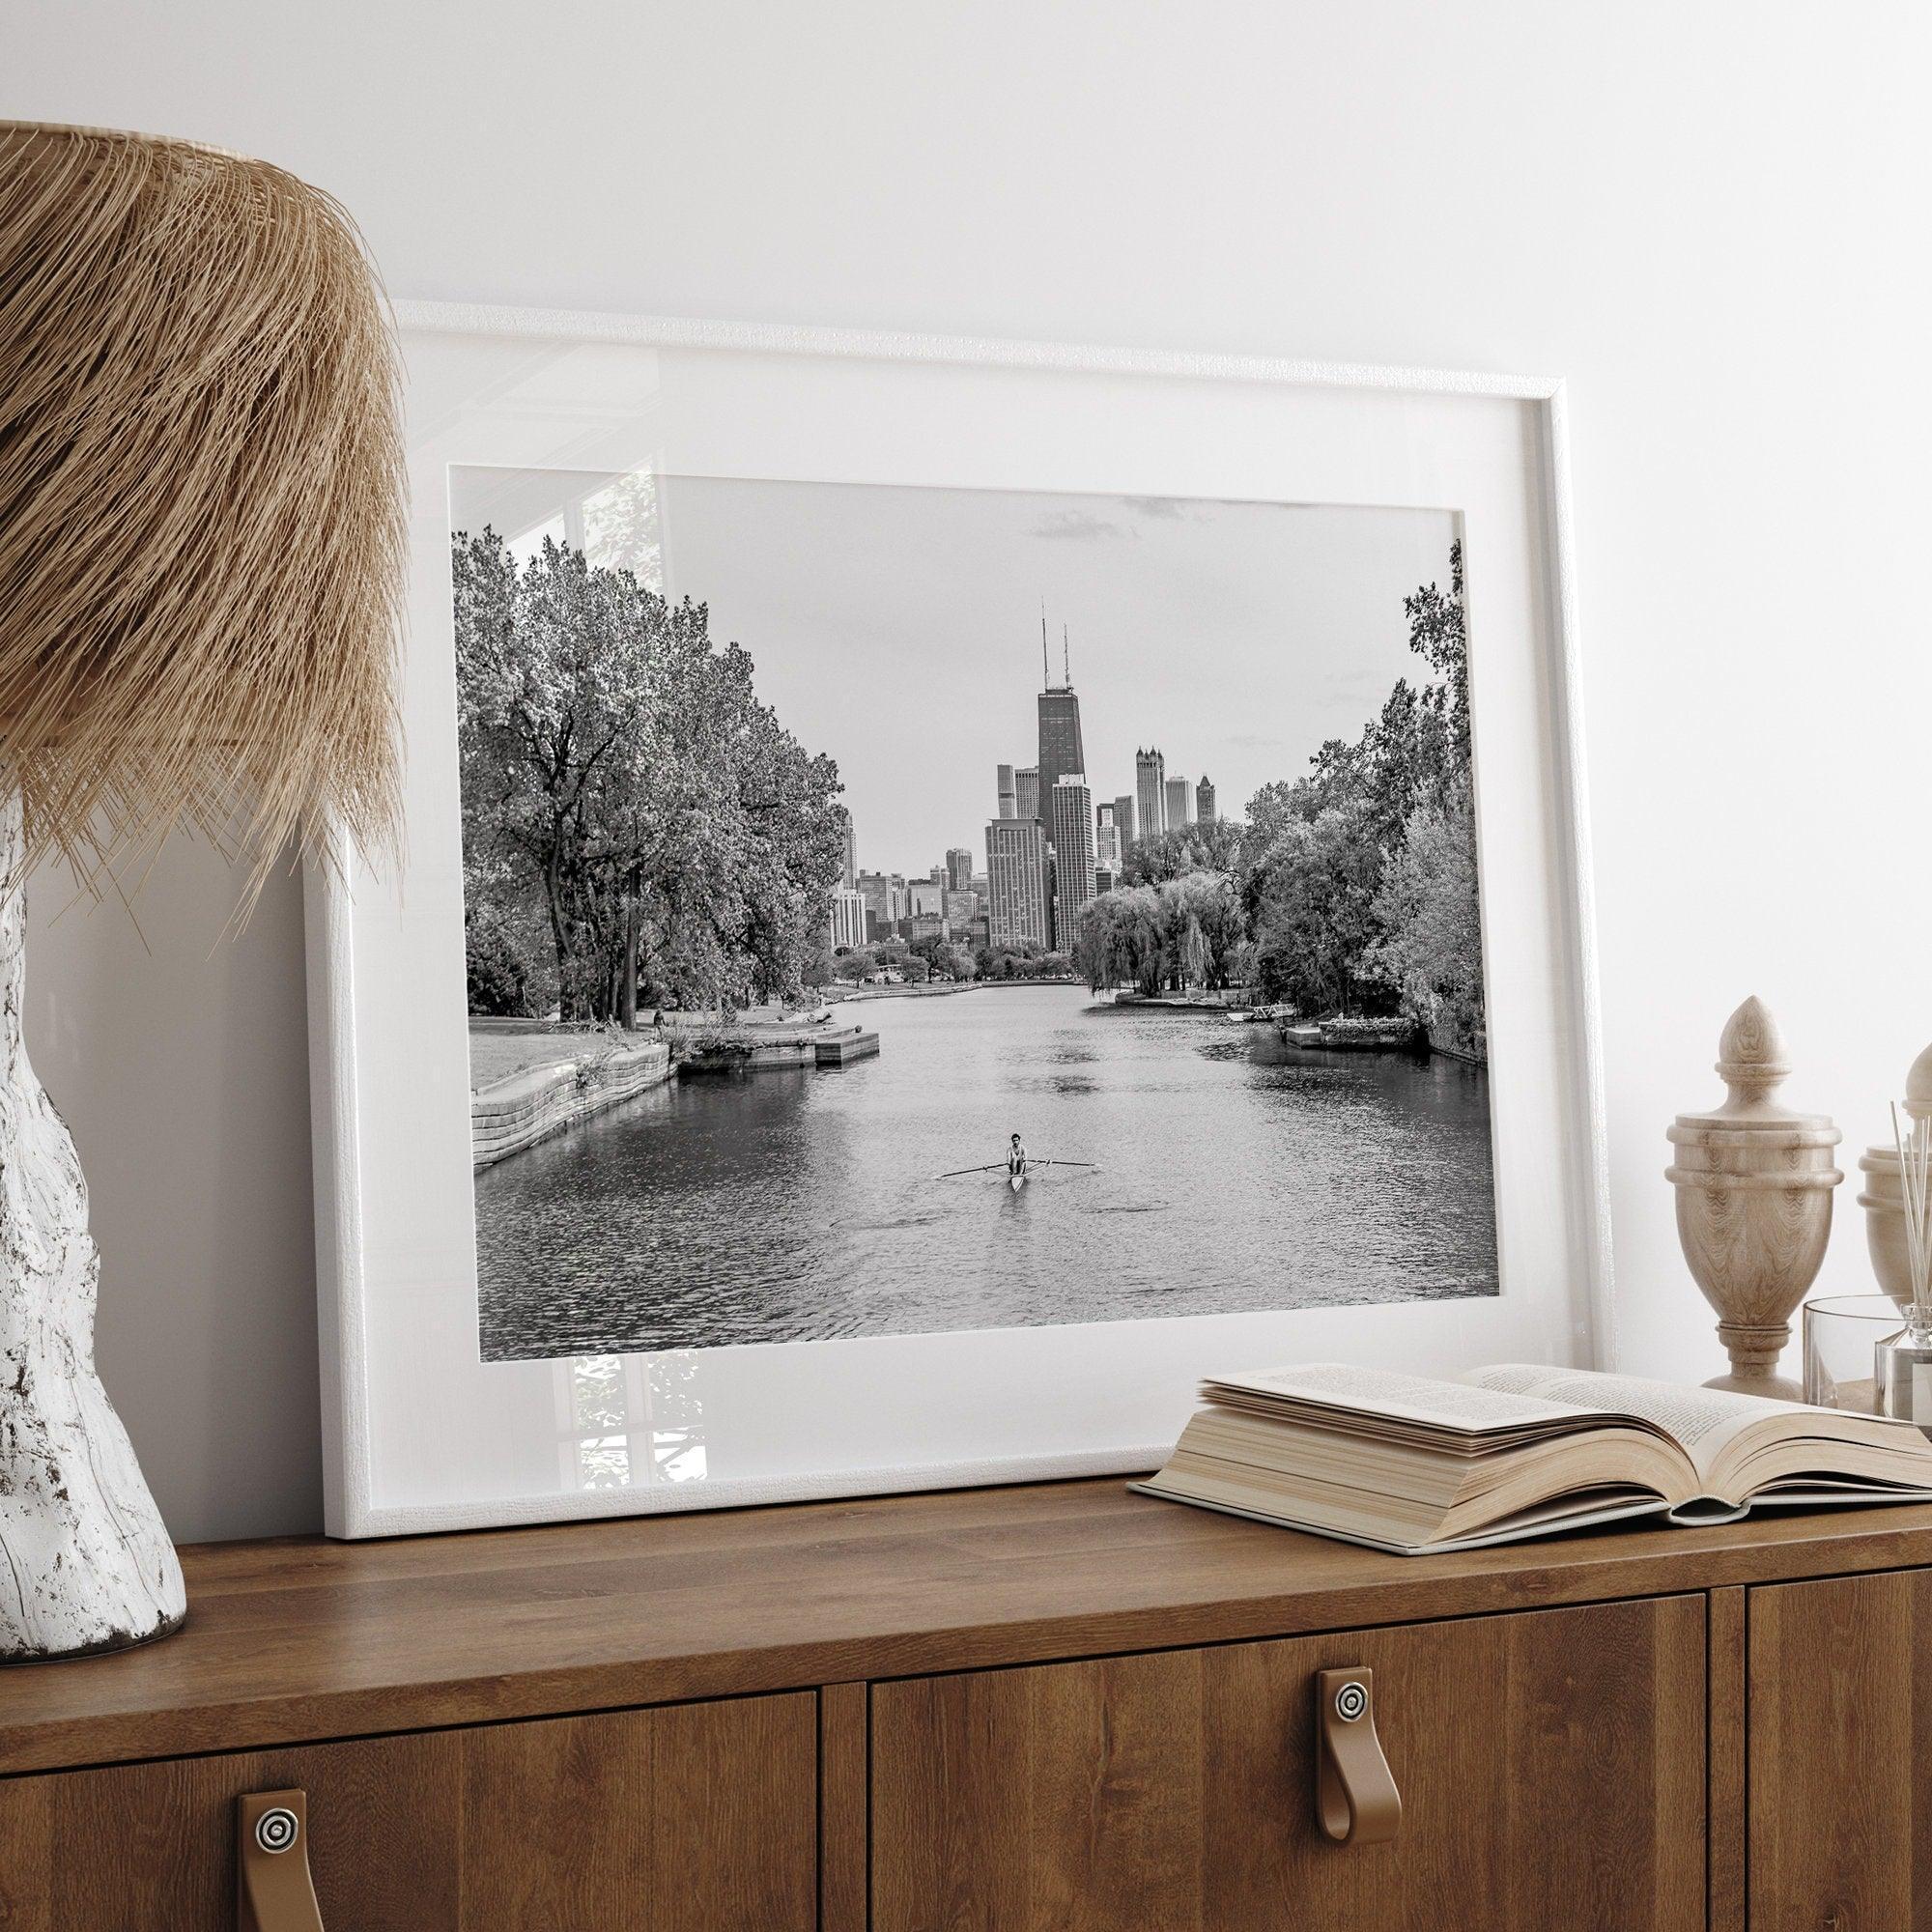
(1233, 1173)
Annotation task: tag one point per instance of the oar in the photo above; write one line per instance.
(1062, 1163)
(991, 1167)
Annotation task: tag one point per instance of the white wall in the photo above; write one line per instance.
(1710, 218)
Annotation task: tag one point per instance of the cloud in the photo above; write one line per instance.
(1080, 526)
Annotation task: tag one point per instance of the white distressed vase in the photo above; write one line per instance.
(85, 1562)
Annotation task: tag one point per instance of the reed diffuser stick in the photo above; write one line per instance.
(1914, 1141)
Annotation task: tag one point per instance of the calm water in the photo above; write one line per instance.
(1234, 1173)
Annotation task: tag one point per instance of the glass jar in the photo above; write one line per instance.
(1841, 1336)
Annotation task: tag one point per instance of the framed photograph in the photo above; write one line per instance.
(951, 889)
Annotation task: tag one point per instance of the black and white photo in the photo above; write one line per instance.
(897, 910)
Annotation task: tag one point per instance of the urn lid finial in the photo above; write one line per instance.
(1918, 1088)
(1751, 1060)
(1753, 1064)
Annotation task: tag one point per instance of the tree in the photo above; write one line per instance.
(1359, 877)
(1201, 923)
(620, 773)
(498, 974)
(1432, 944)
(1316, 919)
(1187, 848)
(935, 951)
(1121, 941)
(821, 969)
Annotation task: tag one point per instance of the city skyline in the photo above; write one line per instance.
(897, 628)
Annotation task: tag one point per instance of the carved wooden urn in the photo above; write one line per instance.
(1883, 1199)
(1753, 1183)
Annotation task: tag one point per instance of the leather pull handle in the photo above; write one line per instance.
(1355, 1798)
(273, 1890)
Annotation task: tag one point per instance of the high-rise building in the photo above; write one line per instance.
(959, 869)
(1124, 822)
(849, 918)
(1072, 827)
(1061, 753)
(1018, 911)
(1151, 793)
(1179, 803)
(1008, 800)
(1105, 880)
(1026, 792)
(851, 877)
(884, 897)
(925, 898)
(963, 908)
(1106, 838)
(1203, 801)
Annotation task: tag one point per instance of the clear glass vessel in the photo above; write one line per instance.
(1842, 1336)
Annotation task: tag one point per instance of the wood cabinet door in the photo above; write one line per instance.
(1839, 1739)
(1550, 1765)
(692, 1818)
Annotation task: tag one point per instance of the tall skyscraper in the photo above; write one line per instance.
(1124, 822)
(959, 867)
(925, 898)
(1151, 793)
(1203, 801)
(1061, 753)
(1072, 828)
(1018, 912)
(1026, 792)
(1179, 803)
(1008, 802)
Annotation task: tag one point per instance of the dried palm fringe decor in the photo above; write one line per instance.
(201, 529)
(202, 539)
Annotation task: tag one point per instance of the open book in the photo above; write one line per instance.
(1406, 1464)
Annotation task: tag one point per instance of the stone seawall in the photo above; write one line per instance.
(769, 1049)
(518, 1111)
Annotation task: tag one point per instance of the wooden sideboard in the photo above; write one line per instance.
(999, 1711)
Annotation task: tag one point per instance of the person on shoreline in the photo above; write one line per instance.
(1016, 1158)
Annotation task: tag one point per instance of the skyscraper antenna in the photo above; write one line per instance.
(1066, 659)
(1045, 663)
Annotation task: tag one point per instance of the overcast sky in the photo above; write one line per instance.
(899, 630)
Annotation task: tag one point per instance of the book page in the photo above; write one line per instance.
(1457, 1406)
(1703, 1421)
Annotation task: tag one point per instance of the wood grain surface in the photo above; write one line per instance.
(698, 1818)
(844, 1803)
(1551, 1765)
(1840, 1688)
(1725, 1782)
(301, 1640)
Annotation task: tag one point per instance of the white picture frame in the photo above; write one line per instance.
(420, 1433)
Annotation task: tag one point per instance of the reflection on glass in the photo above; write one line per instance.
(613, 1403)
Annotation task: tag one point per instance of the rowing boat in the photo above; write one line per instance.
(1014, 1180)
